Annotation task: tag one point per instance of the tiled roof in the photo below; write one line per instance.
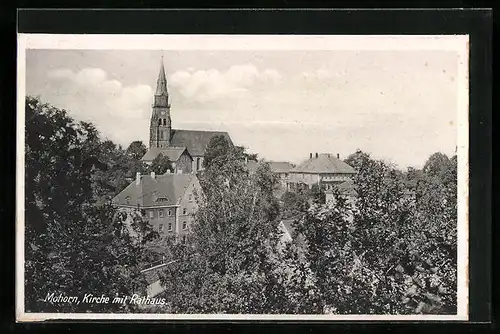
(324, 163)
(280, 166)
(194, 140)
(173, 153)
(275, 166)
(161, 190)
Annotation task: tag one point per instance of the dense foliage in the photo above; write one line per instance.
(393, 250)
(75, 241)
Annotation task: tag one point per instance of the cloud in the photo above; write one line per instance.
(212, 84)
(120, 112)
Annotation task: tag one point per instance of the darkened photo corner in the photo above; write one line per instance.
(241, 182)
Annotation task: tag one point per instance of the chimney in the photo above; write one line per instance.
(338, 156)
(168, 171)
(310, 155)
(316, 155)
(153, 175)
(137, 178)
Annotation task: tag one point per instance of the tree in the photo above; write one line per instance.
(72, 242)
(136, 150)
(161, 164)
(436, 164)
(228, 264)
(217, 147)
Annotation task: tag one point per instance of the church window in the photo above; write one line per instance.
(164, 121)
(159, 121)
(161, 135)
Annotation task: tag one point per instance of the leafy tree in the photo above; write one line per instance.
(217, 147)
(71, 243)
(161, 164)
(136, 150)
(228, 264)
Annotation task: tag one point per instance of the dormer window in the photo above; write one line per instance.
(162, 199)
(127, 199)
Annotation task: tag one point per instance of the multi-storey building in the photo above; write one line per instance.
(166, 201)
(322, 169)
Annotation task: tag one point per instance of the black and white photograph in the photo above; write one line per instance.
(242, 177)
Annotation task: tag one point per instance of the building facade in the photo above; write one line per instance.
(179, 157)
(167, 202)
(163, 136)
(322, 169)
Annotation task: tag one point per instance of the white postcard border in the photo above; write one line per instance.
(458, 43)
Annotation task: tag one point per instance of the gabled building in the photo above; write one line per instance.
(322, 169)
(163, 136)
(179, 157)
(166, 201)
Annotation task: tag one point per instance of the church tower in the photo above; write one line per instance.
(161, 125)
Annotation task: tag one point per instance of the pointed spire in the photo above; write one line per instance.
(161, 83)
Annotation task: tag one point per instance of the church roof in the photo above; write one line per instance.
(325, 163)
(195, 141)
(166, 189)
(173, 153)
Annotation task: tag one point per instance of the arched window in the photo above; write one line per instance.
(159, 121)
(165, 121)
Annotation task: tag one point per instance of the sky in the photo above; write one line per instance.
(400, 105)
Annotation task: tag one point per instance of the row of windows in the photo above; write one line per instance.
(161, 212)
(170, 227)
(162, 120)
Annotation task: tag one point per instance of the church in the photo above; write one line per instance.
(184, 148)
(167, 201)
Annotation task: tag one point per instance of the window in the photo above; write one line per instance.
(184, 225)
(127, 199)
(190, 197)
(151, 214)
(164, 121)
(184, 211)
(197, 163)
(161, 135)
(184, 239)
(170, 227)
(169, 212)
(159, 121)
(160, 213)
(160, 228)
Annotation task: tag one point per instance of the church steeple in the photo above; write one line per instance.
(161, 125)
(161, 83)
